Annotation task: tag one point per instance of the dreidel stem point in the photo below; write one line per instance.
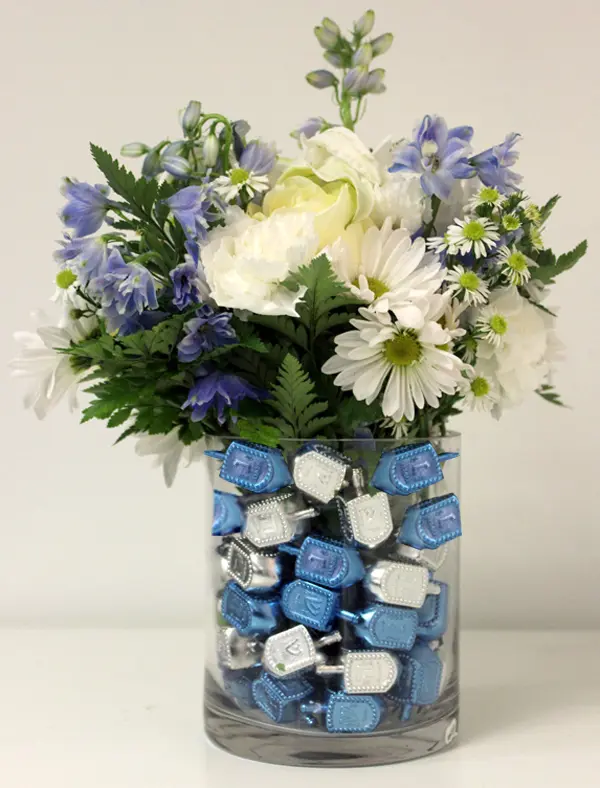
(347, 615)
(328, 640)
(217, 455)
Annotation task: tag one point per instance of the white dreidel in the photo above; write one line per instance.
(369, 516)
(294, 651)
(365, 672)
(397, 583)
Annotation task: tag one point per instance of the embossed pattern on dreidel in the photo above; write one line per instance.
(253, 467)
(319, 474)
(238, 685)
(311, 605)
(274, 521)
(365, 672)
(294, 651)
(327, 563)
(422, 677)
(248, 614)
(252, 570)
(432, 559)
(279, 699)
(228, 517)
(385, 626)
(236, 652)
(432, 523)
(433, 616)
(370, 516)
(398, 583)
(406, 469)
(347, 713)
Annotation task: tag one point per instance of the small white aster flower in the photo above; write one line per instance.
(511, 222)
(535, 236)
(514, 265)
(492, 325)
(479, 389)
(486, 196)
(473, 234)
(467, 285)
(532, 212)
(438, 244)
(230, 185)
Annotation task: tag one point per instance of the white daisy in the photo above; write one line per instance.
(473, 234)
(479, 388)
(514, 265)
(169, 452)
(412, 362)
(511, 222)
(229, 186)
(467, 285)
(487, 195)
(492, 325)
(535, 236)
(53, 373)
(387, 270)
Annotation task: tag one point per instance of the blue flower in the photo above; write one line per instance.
(86, 207)
(203, 333)
(185, 284)
(219, 390)
(194, 207)
(309, 128)
(258, 158)
(440, 155)
(124, 291)
(493, 165)
(87, 257)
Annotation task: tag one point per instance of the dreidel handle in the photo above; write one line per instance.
(330, 670)
(217, 455)
(313, 708)
(347, 615)
(304, 514)
(433, 589)
(328, 640)
(447, 455)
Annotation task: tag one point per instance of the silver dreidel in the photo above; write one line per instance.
(365, 672)
(235, 652)
(251, 569)
(274, 521)
(369, 516)
(294, 650)
(396, 583)
(320, 473)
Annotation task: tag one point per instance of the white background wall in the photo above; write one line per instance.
(89, 535)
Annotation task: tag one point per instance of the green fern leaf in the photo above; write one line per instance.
(294, 399)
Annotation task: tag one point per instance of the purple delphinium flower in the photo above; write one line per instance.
(86, 206)
(258, 158)
(493, 165)
(205, 332)
(219, 390)
(310, 128)
(194, 207)
(440, 155)
(124, 291)
(85, 256)
(185, 284)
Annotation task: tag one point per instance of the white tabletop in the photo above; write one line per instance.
(123, 709)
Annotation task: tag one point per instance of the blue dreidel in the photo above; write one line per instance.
(319, 472)
(228, 516)
(433, 616)
(327, 563)
(311, 605)
(429, 524)
(279, 699)
(383, 626)
(421, 679)
(406, 469)
(238, 685)
(253, 467)
(347, 713)
(365, 672)
(248, 614)
(252, 570)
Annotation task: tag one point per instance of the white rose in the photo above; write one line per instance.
(402, 199)
(245, 268)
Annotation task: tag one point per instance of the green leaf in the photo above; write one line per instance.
(295, 401)
(139, 193)
(284, 325)
(549, 393)
(257, 431)
(119, 417)
(547, 209)
(548, 269)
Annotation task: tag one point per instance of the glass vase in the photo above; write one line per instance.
(334, 586)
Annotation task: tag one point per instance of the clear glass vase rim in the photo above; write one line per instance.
(451, 434)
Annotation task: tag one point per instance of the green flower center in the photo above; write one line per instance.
(532, 212)
(64, 279)
(498, 324)
(536, 238)
(489, 195)
(517, 261)
(469, 281)
(403, 350)
(239, 176)
(511, 222)
(376, 286)
(474, 231)
(480, 387)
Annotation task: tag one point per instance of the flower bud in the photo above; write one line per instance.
(65, 278)
(330, 25)
(134, 149)
(152, 165)
(363, 55)
(365, 24)
(321, 79)
(374, 83)
(173, 148)
(381, 44)
(191, 118)
(176, 166)
(310, 127)
(355, 80)
(210, 150)
(326, 38)
(337, 61)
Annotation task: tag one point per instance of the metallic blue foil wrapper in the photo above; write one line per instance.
(248, 614)
(253, 467)
(430, 524)
(407, 469)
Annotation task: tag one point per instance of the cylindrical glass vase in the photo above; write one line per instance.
(335, 589)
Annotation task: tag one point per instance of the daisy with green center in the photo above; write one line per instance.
(251, 173)
(467, 286)
(410, 363)
(515, 267)
(492, 324)
(479, 388)
(532, 212)
(535, 236)
(486, 196)
(474, 234)
(511, 222)
(387, 270)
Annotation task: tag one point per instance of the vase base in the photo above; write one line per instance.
(272, 744)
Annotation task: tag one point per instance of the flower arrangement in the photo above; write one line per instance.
(232, 291)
